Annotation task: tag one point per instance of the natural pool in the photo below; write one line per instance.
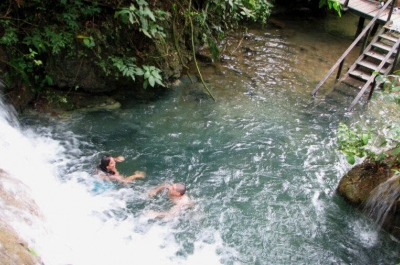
(260, 164)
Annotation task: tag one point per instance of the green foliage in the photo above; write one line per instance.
(236, 10)
(33, 252)
(332, 4)
(151, 76)
(127, 66)
(10, 36)
(261, 10)
(41, 27)
(144, 17)
(355, 143)
(390, 87)
(37, 30)
(352, 143)
(55, 98)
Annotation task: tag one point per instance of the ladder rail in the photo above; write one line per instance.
(372, 77)
(359, 59)
(350, 48)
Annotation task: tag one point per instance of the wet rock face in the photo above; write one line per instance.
(13, 248)
(82, 73)
(358, 183)
(356, 186)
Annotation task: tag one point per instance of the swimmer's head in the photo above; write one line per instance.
(105, 162)
(180, 188)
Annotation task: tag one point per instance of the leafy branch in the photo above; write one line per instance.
(127, 66)
(144, 17)
(352, 143)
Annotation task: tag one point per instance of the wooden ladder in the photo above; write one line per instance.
(379, 57)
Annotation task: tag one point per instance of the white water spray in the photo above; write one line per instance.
(72, 225)
(382, 199)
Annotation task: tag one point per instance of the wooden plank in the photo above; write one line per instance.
(353, 82)
(371, 66)
(389, 37)
(369, 9)
(360, 75)
(378, 56)
(382, 46)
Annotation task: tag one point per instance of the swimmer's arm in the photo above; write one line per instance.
(119, 159)
(138, 174)
(154, 214)
(127, 180)
(153, 192)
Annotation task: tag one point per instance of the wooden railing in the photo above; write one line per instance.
(372, 77)
(366, 33)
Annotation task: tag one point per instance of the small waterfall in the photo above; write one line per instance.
(382, 199)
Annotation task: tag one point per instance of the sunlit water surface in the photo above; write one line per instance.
(260, 165)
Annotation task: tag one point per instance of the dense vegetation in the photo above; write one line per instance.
(123, 39)
(134, 41)
(379, 144)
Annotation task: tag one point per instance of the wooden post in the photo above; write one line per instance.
(365, 41)
(374, 29)
(391, 11)
(339, 70)
(372, 89)
(360, 26)
(396, 60)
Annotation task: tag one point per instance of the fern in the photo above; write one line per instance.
(127, 66)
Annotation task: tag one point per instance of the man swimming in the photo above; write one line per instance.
(177, 194)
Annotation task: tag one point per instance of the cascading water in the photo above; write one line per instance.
(260, 165)
(72, 225)
(382, 199)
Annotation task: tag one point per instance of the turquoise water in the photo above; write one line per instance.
(260, 163)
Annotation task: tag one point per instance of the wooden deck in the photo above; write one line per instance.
(370, 8)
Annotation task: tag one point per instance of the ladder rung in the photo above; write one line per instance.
(354, 82)
(383, 46)
(378, 56)
(371, 66)
(360, 74)
(388, 37)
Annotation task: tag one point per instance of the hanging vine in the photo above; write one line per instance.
(194, 52)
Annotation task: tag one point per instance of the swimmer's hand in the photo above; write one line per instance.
(119, 159)
(153, 192)
(140, 174)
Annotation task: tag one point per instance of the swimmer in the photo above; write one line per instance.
(108, 170)
(177, 195)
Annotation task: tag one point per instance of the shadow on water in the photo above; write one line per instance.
(260, 163)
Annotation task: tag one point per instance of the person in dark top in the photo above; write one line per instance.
(108, 171)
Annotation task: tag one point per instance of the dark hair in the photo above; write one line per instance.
(104, 162)
(180, 187)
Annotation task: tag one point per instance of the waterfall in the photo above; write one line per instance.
(382, 198)
(56, 214)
